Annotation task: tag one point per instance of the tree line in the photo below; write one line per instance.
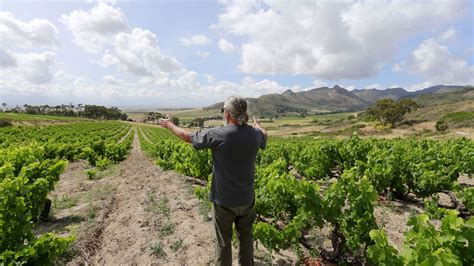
(71, 110)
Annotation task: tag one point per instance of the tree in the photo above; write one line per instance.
(198, 122)
(175, 120)
(441, 126)
(390, 112)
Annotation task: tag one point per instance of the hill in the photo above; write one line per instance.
(338, 99)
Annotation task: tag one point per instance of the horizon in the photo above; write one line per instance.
(141, 108)
(185, 54)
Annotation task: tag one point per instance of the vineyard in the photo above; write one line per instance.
(306, 183)
(303, 186)
(31, 162)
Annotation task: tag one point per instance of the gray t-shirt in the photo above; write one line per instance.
(234, 150)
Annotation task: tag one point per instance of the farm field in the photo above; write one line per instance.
(325, 132)
(27, 119)
(132, 193)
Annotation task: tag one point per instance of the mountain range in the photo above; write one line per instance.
(335, 99)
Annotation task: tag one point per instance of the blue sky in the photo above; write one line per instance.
(194, 53)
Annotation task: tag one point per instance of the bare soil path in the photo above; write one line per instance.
(144, 208)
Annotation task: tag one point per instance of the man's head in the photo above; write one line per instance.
(235, 110)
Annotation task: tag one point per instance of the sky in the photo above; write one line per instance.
(166, 53)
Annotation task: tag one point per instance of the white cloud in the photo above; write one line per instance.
(225, 46)
(195, 40)
(210, 79)
(448, 34)
(318, 84)
(350, 88)
(437, 65)
(113, 80)
(203, 54)
(138, 53)
(374, 86)
(329, 39)
(419, 86)
(7, 59)
(95, 28)
(35, 68)
(19, 34)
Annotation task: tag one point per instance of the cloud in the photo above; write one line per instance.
(138, 53)
(225, 46)
(113, 80)
(329, 39)
(7, 59)
(19, 34)
(318, 83)
(374, 86)
(35, 68)
(95, 28)
(448, 34)
(195, 40)
(436, 64)
(203, 54)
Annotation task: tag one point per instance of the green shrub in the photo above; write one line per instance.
(91, 174)
(441, 126)
(102, 163)
(5, 123)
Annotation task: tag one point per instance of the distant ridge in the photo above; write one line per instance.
(325, 99)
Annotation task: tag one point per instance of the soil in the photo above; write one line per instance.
(136, 214)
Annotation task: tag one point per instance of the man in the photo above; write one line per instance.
(234, 150)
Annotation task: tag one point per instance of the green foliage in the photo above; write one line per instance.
(390, 112)
(177, 245)
(451, 244)
(31, 161)
(157, 250)
(5, 123)
(102, 163)
(381, 253)
(91, 174)
(467, 197)
(441, 126)
(175, 120)
(432, 209)
(458, 117)
(289, 198)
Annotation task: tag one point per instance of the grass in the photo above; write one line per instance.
(177, 245)
(91, 211)
(458, 117)
(157, 250)
(100, 192)
(167, 229)
(205, 209)
(159, 207)
(294, 121)
(31, 118)
(65, 202)
(96, 174)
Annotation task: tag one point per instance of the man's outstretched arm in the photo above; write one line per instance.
(178, 131)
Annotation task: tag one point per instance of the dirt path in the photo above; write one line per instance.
(145, 208)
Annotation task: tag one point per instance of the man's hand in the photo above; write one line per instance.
(166, 123)
(256, 124)
(181, 133)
